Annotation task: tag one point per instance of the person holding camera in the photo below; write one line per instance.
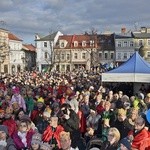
(70, 122)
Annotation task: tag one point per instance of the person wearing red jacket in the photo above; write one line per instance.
(51, 133)
(139, 134)
(9, 121)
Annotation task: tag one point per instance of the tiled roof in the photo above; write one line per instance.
(106, 41)
(29, 47)
(13, 37)
(49, 37)
(141, 35)
(122, 36)
(79, 38)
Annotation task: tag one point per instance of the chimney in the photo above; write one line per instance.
(143, 29)
(123, 30)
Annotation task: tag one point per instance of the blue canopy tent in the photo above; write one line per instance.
(136, 69)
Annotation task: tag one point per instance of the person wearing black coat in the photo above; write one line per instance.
(70, 122)
(122, 123)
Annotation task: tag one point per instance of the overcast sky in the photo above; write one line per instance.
(24, 18)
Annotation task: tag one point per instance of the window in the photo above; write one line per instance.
(119, 56)
(100, 55)
(75, 55)
(83, 55)
(68, 56)
(83, 43)
(106, 55)
(75, 43)
(62, 67)
(148, 42)
(45, 44)
(111, 55)
(140, 42)
(57, 57)
(148, 54)
(62, 44)
(131, 43)
(125, 56)
(62, 56)
(119, 44)
(45, 55)
(125, 43)
(91, 43)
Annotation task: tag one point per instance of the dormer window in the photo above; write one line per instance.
(62, 44)
(91, 43)
(75, 44)
(83, 43)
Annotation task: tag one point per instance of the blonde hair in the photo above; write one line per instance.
(134, 110)
(116, 133)
(64, 135)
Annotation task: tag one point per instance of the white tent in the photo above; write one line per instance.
(136, 69)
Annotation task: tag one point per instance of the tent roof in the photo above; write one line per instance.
(136, 69)
(136, 64)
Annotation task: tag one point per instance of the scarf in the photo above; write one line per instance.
(23, 138)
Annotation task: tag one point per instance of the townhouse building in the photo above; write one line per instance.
(15, 54)
(124, 46)
(106, 48)
(44, 49)
(29, 60)
(75, 52)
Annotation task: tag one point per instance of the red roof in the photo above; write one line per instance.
(79, 38)
(30, 47)
(13, 37)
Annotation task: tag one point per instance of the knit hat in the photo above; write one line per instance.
(4, 128)
(15, 90)
(55, 104)
(45, 146)
(47, 112)
(40, 100)
(25, 118)
(36, 138)
(126, 143)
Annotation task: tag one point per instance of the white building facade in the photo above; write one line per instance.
(44, 49)
(16, 54)
(124, 46)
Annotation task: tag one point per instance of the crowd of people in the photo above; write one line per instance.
(71, 111)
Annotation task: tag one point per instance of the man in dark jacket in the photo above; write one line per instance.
(122, 123)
